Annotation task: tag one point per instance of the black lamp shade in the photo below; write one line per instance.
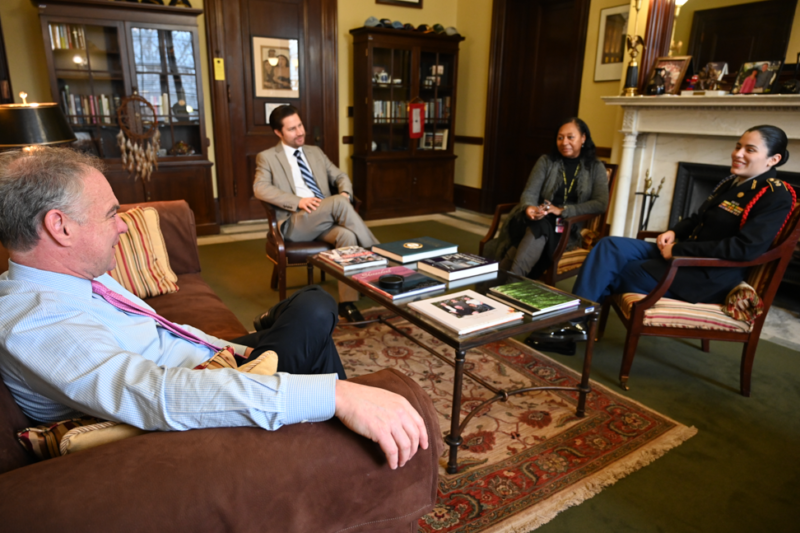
(26, 125)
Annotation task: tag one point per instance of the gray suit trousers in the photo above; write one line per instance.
(335, 221)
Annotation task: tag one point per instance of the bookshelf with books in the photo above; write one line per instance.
(99, 53)
(395, 173)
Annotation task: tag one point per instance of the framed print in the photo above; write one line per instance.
(276, 68)
(674, 70)
(404, 3)
(756, 77)
(426, 141)
(270, 107)
(611, 43)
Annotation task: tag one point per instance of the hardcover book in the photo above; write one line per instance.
(413, 282)
(456, 266)
(351, 258)
(534, 298)
(407, 251)
(466, 311)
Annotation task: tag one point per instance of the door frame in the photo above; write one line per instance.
(494, 102)
(220, 97)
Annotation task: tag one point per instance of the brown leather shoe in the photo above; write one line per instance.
(350, 313)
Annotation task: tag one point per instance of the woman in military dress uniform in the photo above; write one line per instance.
(738, 222)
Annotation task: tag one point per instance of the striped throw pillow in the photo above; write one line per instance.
(142, 269)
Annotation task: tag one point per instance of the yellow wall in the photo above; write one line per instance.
(475, 23)
(601, 119)
(25, 50)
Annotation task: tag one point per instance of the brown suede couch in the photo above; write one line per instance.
(302, 478)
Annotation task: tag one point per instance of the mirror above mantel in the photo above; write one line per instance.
(736, 34)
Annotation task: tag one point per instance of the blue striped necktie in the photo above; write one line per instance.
(307, 177)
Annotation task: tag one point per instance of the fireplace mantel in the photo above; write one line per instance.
(660, 131)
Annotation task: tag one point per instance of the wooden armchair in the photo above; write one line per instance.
(565, 263)
(664, 317)
(289, 254)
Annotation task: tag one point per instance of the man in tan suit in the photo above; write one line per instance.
(298, 180)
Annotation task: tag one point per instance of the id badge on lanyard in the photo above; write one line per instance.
(559, 225)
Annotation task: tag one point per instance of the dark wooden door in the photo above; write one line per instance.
(535, 82)
(742, 33)
(240, 119)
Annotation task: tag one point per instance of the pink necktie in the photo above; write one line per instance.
(123, 304)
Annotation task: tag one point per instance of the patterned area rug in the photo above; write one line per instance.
(525, 460)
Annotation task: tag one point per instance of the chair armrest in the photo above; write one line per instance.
(275, 245)
(499, 211)
(681, 261)
(642, 235)
(564, 240)
(303, 477)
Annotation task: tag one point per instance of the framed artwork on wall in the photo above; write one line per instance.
(276, 68)
(611, 43)
(404, 3)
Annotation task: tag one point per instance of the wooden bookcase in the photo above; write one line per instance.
(393, 174)
(98, 52)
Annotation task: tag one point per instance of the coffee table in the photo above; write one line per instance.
(462, 343)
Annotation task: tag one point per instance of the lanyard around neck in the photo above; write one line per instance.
(568, 188)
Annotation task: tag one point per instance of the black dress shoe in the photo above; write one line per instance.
(263, 321)
(562, 347)
(350, 312)
(567, 332)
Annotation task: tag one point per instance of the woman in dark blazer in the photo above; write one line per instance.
(566, 183)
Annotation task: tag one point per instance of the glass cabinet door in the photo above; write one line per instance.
(167, 77)
(391, 92)
(90, 79)
(436, 89)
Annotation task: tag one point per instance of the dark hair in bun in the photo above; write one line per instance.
(776, 141)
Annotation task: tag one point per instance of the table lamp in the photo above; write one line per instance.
(23, 125)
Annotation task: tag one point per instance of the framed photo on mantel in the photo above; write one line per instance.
(404, 3)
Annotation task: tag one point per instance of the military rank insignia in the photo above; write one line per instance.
(732, 208)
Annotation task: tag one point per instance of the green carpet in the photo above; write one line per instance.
(740, 473)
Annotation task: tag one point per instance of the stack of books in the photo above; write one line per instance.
(412, 284)
(351, 258)
(534, 298)
(412, 250)
(466, 311)
(456, 266)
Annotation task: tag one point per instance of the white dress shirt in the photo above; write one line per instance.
(65, 351)
(300, 187)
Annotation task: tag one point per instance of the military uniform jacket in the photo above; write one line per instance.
(714, 231)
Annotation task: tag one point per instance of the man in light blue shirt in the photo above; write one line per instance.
(65, 351)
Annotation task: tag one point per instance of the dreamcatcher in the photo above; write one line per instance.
(138, 138)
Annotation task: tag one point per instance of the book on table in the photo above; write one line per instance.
(456, 266)
(534, 298)
(472, 280)
(351, 258)
(409, 250)
(466, 311)
(413, 283)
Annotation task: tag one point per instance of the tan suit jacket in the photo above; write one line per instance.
(274, 183)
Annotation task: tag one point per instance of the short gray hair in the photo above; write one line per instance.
(33, 182)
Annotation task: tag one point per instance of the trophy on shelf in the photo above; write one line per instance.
(633, 42)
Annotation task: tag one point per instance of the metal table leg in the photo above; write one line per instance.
(454, 439)
(584, 388)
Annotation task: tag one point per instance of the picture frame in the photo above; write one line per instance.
(675, 71)
(426, 141)
(611, 34)
(757, 77)
(276, 67)
(403, 3)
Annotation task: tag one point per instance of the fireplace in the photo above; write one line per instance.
(694, 183)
